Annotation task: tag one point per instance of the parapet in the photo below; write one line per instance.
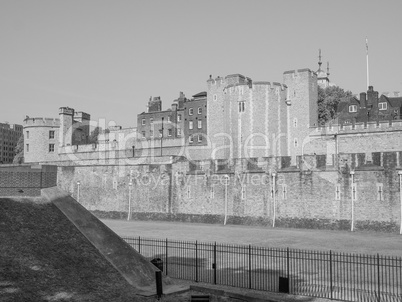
(41, 121)
(80, 116)
(299, 71)
(66, 110)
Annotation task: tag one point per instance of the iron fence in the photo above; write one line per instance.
(331, 275)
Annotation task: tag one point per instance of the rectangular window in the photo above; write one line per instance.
(169, 118)
(160, 133)
(179, 117)
(143, 122)
(27, 134)
(151, 121)
(199, 124)
(143, 134)
(27, 147)
(295, 142)
(352, 108)
(51, 147)
(242, 106)
(382, 106)
(190, 111)
(169, 132)
(188, 191)
(284, 192)
(178, 131)
(243, 192)
(151, 133)
(199, 138)
(51, 134)
(190, 139)
(190, 125)
(199, 110)
(295, 122)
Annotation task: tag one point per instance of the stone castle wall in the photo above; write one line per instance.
(313, 195)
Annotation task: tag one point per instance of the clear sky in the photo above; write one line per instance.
(107, 58)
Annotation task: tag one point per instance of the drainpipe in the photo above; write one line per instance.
(352, 173)
(274, 198)
(130, 184)
(78, 191)
(226, 198)
(400, 196)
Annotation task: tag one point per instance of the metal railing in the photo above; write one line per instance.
(340, 276)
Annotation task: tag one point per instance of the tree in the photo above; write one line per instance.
(19, 151)
(93, 137)
(328, 100)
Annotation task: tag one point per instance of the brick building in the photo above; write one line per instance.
(195, 119)
(370, 108)
(9, 136)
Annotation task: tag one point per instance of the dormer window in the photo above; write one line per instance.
(352, 108)
(382, 106)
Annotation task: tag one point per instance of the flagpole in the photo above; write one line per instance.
(367, 60)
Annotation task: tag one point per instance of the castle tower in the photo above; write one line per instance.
(66, 116)
(322, 76)
(302, 110)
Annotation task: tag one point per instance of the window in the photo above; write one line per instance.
(215, 97)
(284, 192)
(190, 139)
(27, 134)
(190, 125)
(212, 192)
(295, 122)
(151, 133)
(382, 106)
(190, 111)
(241, 106)
(51, 134)
(199, 110)
(143, 122)
(27, 147)
(160, 133)
(151, 121)
(51, 147)
(143, 134)
(352, 108)
(199, 124)
(188, 191)
(179, 117)
(169, 118)
(169, 132)
(178, 131)
(199, 138)
(243, 192)
(295, 142)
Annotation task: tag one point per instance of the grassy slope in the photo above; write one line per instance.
(44, 258)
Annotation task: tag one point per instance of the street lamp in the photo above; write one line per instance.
(400, 197)
(78, 190)
(274, 198)
(130, 184)
(352, 173)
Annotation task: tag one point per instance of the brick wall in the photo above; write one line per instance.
(18, 180)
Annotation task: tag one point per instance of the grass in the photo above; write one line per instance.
(43, 257)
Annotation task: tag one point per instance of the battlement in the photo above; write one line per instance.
(370, 127)
(41, 121)
(66, 110)
(80, 116)
(300, 71)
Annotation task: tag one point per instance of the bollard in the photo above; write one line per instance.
(158, 279)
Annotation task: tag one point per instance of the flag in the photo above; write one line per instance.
(367, 45)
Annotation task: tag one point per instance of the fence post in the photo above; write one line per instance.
(249, 266)
(378, 275)
(166, 265)
(214, 266)
(196, 261)
(330, 272)
(139, 244)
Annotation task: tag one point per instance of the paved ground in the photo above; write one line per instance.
(340, 241)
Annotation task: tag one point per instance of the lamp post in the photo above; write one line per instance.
(352, 173)
(78, 191)
(400, 197)
(274, 199)
(130, 184)
(226, 198)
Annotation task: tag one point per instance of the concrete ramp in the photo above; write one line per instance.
(136, 269)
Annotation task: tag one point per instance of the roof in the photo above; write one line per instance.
(200, 94)
(343, 103)
(394, 101)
